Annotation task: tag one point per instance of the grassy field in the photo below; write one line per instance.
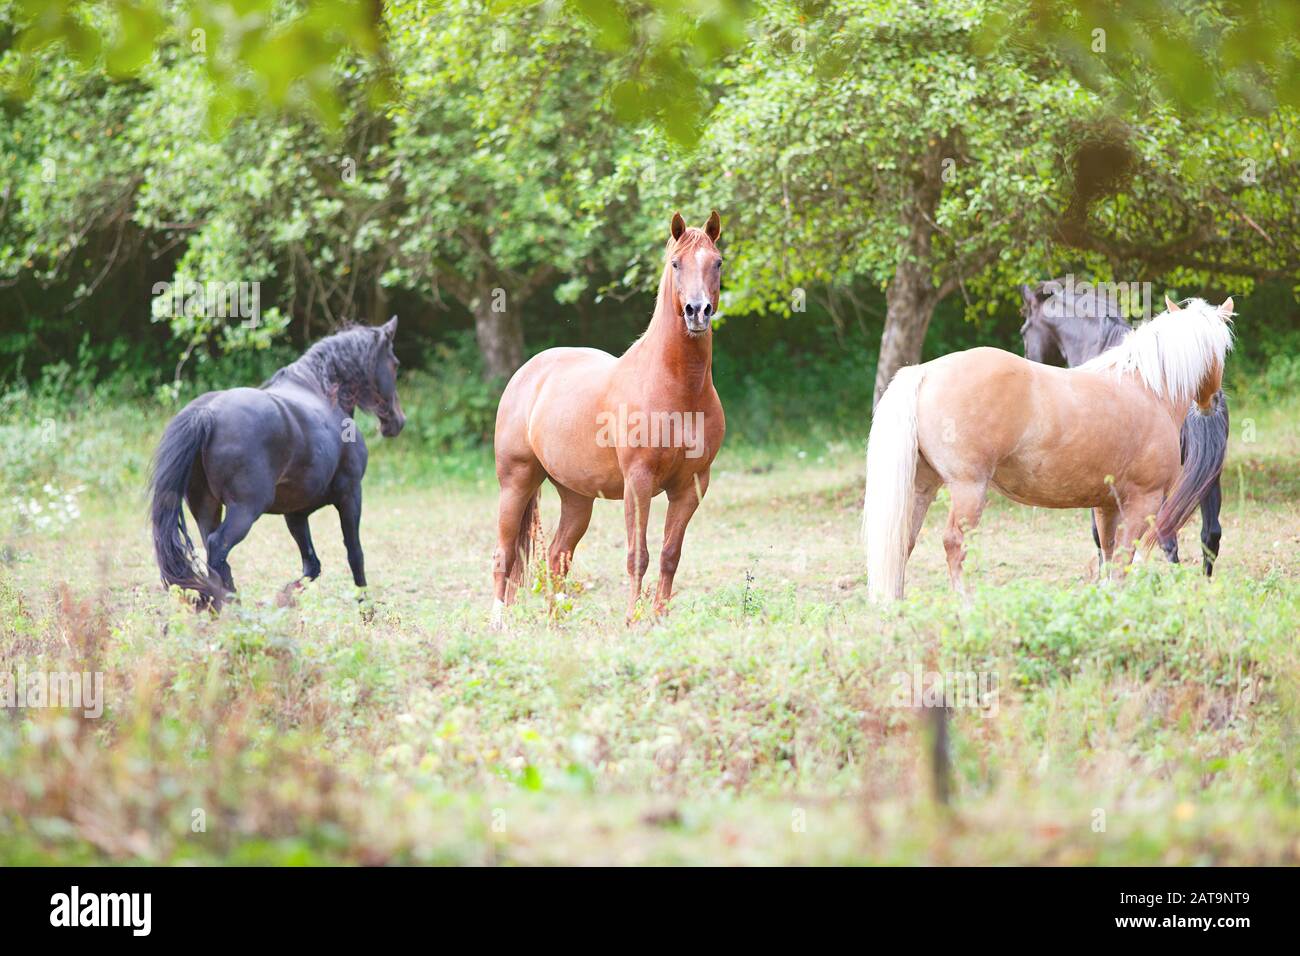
(1149, 721)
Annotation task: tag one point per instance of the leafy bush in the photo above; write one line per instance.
(449, 402)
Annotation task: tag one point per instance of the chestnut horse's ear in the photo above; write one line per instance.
(1225, 310)
(713, 228)
(679, 225)
(1171, 305)
(389, 328)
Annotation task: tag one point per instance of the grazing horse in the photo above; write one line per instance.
(1101, 436)
(288, 448)
(1065, 328)
(606, 427)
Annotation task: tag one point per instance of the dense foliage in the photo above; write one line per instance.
(509, 169)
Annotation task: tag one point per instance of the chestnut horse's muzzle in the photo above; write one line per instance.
(698, 315)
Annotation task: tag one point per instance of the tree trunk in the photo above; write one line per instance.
(378, 311)
(909, 306)
(500, 334)
(912, 296)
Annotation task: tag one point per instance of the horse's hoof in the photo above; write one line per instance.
(498, 619)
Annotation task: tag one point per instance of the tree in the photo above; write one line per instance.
(501, 136)
(901, 142)
(878, 141)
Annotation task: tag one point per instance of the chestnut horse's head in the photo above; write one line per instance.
(696, 268)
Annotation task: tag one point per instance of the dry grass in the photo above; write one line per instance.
(754, 725)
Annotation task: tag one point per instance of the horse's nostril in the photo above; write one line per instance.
(708, 309)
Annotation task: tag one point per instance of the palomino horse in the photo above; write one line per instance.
(1101, 436)
(288, 448)
(627, 427)
(1065, 327)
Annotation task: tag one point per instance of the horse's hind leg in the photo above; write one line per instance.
(968, 499)
(924, 487)
(204, 505)
(575, 516)
(206, 508)
(1211, 531)
(1170, 547)
(239, 519)
(207, 513)
(519, 482)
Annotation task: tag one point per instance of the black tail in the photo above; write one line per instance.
(173, 463)
(1205, 443)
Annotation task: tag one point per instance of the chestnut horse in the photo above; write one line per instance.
(1103, 435)
(606, 427)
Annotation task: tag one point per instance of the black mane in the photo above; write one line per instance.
(341, 362)
(1113, 331)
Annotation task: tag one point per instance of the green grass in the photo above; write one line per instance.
(1147, 721)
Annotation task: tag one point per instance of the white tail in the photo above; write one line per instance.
(891, 472)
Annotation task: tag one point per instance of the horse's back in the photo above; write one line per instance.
(1046, 435)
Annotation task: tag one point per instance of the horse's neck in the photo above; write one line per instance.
(314, 378)
(1075, 350)
(1081, 341)
(687, 360)
(1176, 407)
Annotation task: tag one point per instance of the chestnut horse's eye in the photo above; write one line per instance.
(676, 263)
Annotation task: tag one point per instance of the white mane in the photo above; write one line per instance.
(1173, 352)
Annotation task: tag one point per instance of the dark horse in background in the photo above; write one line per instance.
(1063, 327)
(288, 448)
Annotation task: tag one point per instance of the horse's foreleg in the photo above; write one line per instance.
(301, 532)
(1211, 531)
(1137, 511)
(968, 500)
(682, 502)
(1104, 521)
(638, 487)
(349, 508)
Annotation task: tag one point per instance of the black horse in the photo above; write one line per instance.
(289, 447)
(1066, 328)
